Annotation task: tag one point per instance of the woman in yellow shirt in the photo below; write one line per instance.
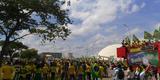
(72, 71)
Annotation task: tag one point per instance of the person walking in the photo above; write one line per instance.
(130, 73)
(7, 71)
(119, 73)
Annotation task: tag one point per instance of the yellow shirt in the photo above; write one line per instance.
(59, 68)
(101, 68)
(0, 74)
(45, 70)
(7, 72)
(72, 69)
(80, 70)
(88, 68)
(28, 69)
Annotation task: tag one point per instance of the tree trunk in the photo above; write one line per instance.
(5, 48)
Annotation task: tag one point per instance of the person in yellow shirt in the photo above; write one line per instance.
(23, 71)
(0, 72)
(29, 71)
(101, 71)
(72, 71)
(80, 72)
(45, 71)
(58, 70)
(7, 72)
(53, 70)
(88, 71)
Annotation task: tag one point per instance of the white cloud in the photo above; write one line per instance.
(92, 15)
(111, 29)
(136, 8)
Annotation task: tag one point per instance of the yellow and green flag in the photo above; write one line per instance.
(127, 40)
(156, 34)
(135, 38)
(147, 35)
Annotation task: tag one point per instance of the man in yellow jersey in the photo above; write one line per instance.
(88, 71)
(53, 70)
(45, 71)
(80, 71)
(29, 73)
(7, 72)
(101, 71)
(58, 70)
(72, 71)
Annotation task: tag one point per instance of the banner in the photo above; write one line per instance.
(143, 58)
(136, 58)
(121, 52)
(135, 50)
(152, 58)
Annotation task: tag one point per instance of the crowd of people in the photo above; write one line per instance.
(65, 69)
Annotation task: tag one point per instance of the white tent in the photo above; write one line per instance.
(109, 51)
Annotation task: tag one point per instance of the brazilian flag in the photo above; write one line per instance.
(147, 35)
(135, 39)
(127, 40)
(156, 34)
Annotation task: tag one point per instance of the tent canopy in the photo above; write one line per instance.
(110, 50)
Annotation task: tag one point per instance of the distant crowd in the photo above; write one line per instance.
(65, 69)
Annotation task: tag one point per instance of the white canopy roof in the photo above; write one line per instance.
(110, 50)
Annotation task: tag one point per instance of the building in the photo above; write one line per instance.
(68, 55)
(50, 55)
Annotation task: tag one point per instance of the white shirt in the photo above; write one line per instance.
(142, 74)
(115, 77)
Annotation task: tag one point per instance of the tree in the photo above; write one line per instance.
(29, 54)
(44, 18)
(14, 48)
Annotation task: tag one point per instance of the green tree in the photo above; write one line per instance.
(15, 48)
(44, 18)
(29, 54)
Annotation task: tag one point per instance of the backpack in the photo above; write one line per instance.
(120, 74)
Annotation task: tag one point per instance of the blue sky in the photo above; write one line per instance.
(98, 23)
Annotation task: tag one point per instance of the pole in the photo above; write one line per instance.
(129, 35)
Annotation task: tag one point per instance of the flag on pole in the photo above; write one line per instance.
(135, 39)
(156, 34)
(127, 40)
(147, 35)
